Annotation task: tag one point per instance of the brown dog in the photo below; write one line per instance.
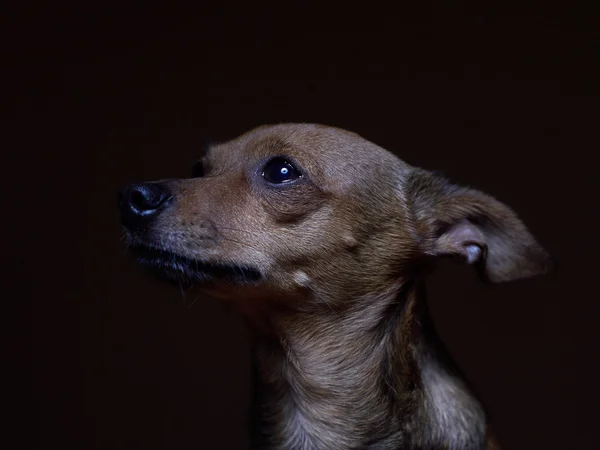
(322, 239)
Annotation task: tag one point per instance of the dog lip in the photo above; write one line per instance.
(170, 266)
(149, 251)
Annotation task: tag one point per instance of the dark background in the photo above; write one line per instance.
(505, 100)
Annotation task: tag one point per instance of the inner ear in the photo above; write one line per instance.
(466, 223)
(464, 239)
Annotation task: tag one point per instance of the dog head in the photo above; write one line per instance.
(299, 210)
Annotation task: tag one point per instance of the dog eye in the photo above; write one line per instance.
(278, 171)
(198, 170)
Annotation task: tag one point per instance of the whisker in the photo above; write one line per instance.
(182, 293)
(249, 232)
(323, 299)
(235, 241)
(193, 301)
(254, 233)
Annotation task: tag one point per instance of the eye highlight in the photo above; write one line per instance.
(198, 170)
(278, 171)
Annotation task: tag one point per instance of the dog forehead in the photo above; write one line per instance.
(326, 153)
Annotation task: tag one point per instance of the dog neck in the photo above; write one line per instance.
(373, 377)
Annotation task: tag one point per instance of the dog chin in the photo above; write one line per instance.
(186, 272)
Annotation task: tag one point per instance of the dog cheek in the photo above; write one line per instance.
(292, 205)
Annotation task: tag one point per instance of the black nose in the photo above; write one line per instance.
(141, 203)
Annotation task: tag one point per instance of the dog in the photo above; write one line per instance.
(322, 239)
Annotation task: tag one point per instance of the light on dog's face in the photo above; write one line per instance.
(261, 208)
(288, 208)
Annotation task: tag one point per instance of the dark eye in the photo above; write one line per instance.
(278, 171)
(198, 170)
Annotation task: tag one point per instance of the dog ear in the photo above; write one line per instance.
(461, 222)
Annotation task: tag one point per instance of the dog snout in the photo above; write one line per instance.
(141, 203)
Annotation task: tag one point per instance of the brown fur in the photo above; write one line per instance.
(345, 354)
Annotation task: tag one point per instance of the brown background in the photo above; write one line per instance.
(503, 100)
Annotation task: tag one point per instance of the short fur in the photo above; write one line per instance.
(329, 271)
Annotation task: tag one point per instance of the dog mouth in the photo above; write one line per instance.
(173, 268)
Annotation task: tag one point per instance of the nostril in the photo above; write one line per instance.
(141, 203)
(143, 199)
